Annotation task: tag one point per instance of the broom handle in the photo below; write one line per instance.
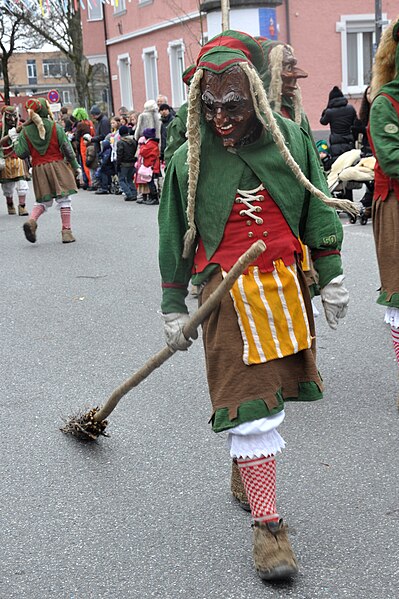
(188, 330)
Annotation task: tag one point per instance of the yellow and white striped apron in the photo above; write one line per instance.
(271, 313)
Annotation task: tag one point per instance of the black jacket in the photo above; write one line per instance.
(102, 127)
(340, 116)
(126, 151)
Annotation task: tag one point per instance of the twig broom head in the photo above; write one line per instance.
(85, 427)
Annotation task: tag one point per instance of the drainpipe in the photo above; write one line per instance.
(287, 21)
(378, 21)
(111, 97)
(225, 7)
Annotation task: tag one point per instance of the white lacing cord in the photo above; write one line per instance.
(248, 196)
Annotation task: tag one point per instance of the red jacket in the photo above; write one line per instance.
(150, 153)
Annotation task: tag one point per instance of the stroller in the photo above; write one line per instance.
(348, 172)
(115, 187)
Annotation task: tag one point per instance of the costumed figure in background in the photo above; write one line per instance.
(83, 126)
(384, 140)
(280, 74)
(14, 173)
(54, 166)
(234, 182)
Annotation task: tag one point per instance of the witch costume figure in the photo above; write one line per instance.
(54, 166)
(384, 140)
(13, 174)
(233, 182)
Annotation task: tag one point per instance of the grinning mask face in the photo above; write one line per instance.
(11, 119)
(227, 105)
(290, 73)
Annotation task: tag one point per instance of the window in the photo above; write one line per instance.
(176, 63)
(119, 6)
(357, 47)
(66, 96)
(150, 57)
(31, 71)
(125, 79)
(94, 11)
(55, 67)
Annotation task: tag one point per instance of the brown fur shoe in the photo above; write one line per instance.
(11, 209)
(273, 555)
(22, 211)
(237, 487)
(30, 230)
(67, 236)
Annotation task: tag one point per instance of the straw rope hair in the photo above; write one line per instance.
(34, 106)
(193, 156)
(260, 103)
(384, 68)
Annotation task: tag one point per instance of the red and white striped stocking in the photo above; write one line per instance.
(37, 211)
(395, 339)
(259, 478)
(66, 217)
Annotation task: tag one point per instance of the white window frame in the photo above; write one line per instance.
(179, 91)
(359, 24)
(32, 66)
(151, 87)
(66, 96)
(128, 102)
(63, 70)
(121, 8)
(92, 10)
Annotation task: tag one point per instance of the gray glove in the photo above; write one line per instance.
(335, 298)
(173, 328)
(12, 134)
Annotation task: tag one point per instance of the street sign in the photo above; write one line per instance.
(53, 96)
(55, 107)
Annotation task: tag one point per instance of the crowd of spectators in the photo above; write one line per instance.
(111, 150)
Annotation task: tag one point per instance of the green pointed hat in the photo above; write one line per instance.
(228, 49)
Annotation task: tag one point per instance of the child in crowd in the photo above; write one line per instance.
(106, 168)
(125, 159)
(149, 157)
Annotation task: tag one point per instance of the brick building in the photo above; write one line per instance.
(35, 73)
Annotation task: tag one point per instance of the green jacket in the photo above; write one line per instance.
(21, 147)
(176, 133)
(225, 171)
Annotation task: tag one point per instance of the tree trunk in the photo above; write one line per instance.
(75, 33)
(6, 78)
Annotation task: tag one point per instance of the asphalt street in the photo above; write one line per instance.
(147, 512)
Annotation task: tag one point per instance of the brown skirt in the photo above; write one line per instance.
(53, 180)
(231, 382)
(386, 236)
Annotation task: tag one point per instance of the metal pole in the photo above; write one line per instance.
(378, 21)
(225, 5)
(287, 21)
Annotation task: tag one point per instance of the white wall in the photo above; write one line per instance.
(244, 19)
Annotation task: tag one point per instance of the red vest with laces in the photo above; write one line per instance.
(53, 151)
(383, 184)
(241, 231)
